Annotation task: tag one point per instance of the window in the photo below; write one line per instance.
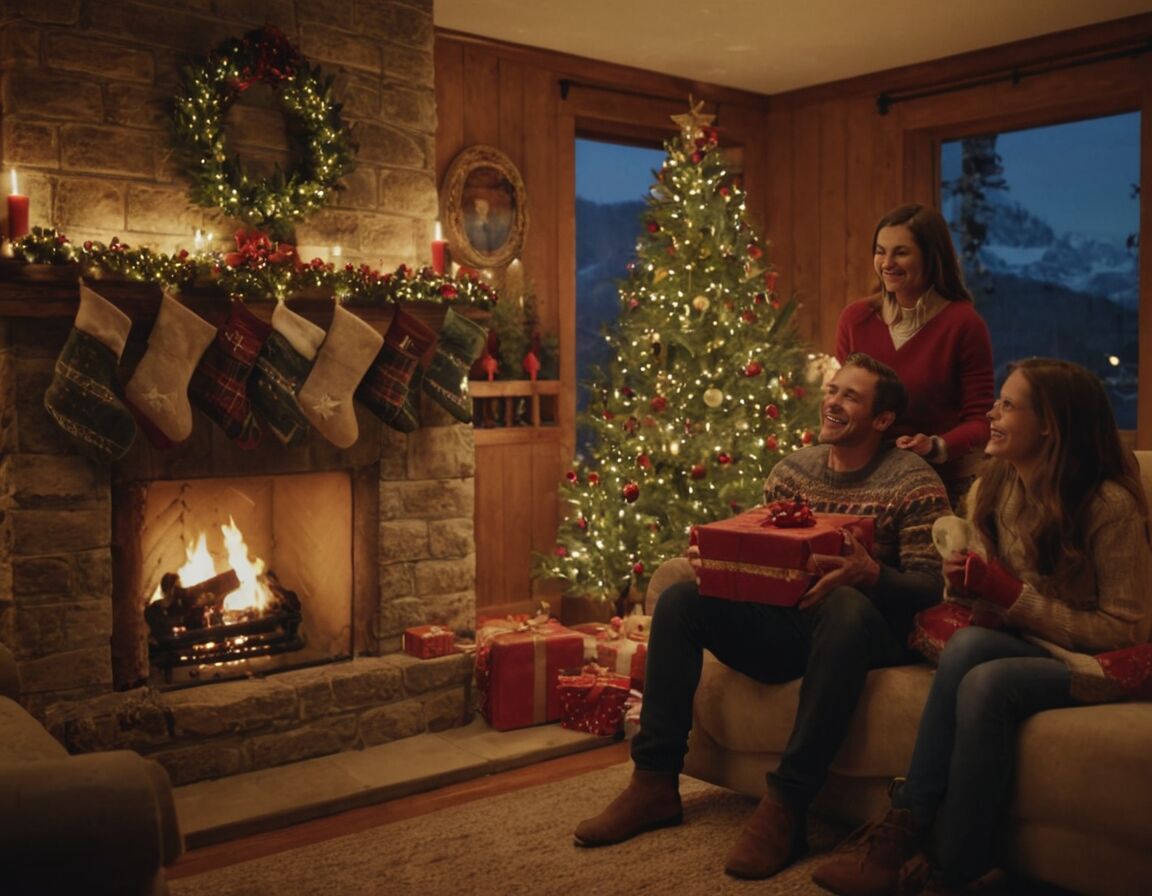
(1047, 221)
(611, 182)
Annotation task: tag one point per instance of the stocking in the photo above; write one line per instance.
(446, 379)
(327, 395)
(280, 370)
(84, 396)
(157, 393)
(384, 389)
(219, 385)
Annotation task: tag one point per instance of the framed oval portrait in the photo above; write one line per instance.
(484, 208)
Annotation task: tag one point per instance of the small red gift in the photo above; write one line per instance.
(427, 641)
(762, 555)
(516, 671)
(592, 700)
(625, 657)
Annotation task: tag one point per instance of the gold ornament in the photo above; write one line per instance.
(700, 303)
(713, 397)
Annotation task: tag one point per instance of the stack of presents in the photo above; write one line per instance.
(590, 677)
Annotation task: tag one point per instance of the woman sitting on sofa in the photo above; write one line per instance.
(1061, 556)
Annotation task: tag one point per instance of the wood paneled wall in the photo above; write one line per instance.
(821, 165)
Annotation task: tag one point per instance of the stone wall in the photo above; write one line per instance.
(84, 88)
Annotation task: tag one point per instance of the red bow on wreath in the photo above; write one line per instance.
(276, 59)
(794, 514)
(254, 250)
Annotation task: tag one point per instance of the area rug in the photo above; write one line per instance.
(521, 843)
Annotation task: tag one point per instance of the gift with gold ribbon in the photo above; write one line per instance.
(592, 700)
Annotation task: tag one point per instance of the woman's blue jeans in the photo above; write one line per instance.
(963, 765)
(832, 645)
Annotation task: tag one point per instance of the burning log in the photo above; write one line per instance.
(192, 607)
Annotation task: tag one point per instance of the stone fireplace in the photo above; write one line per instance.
(388, 521)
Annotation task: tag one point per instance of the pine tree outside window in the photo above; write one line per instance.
(1047, 221)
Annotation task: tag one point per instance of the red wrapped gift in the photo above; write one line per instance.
(592, 700)
(625, 657)
(762, 555)
(593, 633)
(427, 641)
(516, 672)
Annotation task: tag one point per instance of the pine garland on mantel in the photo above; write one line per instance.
(258, 268)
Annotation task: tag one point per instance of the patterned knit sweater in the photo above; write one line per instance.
(1106, 608)
(905, 496)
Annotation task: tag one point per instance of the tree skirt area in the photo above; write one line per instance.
(521, 843)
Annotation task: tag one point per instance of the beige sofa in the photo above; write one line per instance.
(1081, 817)
(100, 823)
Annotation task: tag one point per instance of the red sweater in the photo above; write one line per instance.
(946, 368)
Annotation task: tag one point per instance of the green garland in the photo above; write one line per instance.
(257, 269)
(220, 180)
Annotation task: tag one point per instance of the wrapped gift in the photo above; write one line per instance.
(762, 555)
(427, 641)
(517, 669)
(593, 633)
(592, 700)
(624, 656)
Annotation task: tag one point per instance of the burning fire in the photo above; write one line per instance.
(253, 593)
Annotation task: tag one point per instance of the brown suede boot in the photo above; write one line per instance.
(871, 862)
(650, 801)
(769, 842)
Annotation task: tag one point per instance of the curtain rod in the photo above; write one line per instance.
(887, 99)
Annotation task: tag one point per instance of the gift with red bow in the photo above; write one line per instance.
(592, 700)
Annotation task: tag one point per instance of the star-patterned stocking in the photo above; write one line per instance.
(157, 393)
(327, 396)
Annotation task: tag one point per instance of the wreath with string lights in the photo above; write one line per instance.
(321, 144)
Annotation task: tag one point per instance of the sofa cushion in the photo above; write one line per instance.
(25, 739)
(745, 716)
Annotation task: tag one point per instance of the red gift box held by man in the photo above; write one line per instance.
(773, 554)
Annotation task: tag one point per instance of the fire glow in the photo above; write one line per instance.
(251, 597)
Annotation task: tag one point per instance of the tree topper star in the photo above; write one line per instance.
(693, 122)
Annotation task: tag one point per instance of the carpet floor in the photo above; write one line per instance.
(521, 843)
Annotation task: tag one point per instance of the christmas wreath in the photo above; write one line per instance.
(321, 143)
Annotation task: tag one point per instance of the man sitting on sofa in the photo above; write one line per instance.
(856, 617)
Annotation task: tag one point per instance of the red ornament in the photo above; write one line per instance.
(658, 404)
(608, 415)
(770, 278)
(759, 299)
(748, 317)
(638, 568)
(626, 391)
(807, 437)
(724, 191)
(698, 471)
(560, 551)
(593, 478)
(771, 443)
(775, 303)
(753, 369)
(631, 491)
(754, 251)
(644, 462)
(582, 523)
(772, 411)
(799, 391)
(633, 304)
(723, 459)
(653, 227)
(697, 157)
(571, 476)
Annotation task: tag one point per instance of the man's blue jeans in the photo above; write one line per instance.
(832, 645)
(963, 764)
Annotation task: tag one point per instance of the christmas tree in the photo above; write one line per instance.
(708, 386)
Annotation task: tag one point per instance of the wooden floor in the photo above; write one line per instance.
(266, 844)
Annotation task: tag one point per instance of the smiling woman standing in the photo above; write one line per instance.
(923, 325)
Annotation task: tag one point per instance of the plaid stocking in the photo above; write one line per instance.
(157, 393)
(84, 396)
(327, 395)
(446, 379)
(385, 387)
(220, 382)
(281, 368)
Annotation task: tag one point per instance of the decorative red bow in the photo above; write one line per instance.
(794, 514)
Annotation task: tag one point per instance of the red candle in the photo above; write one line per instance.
(439, 252)
(17, 212)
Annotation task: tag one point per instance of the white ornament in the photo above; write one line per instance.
(713, 397)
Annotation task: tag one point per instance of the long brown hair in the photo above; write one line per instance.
(930, 230)
(1081, 452)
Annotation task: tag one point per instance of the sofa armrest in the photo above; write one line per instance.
(668, 573)
(93, 823)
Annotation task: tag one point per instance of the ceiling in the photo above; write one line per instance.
(770, 46)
